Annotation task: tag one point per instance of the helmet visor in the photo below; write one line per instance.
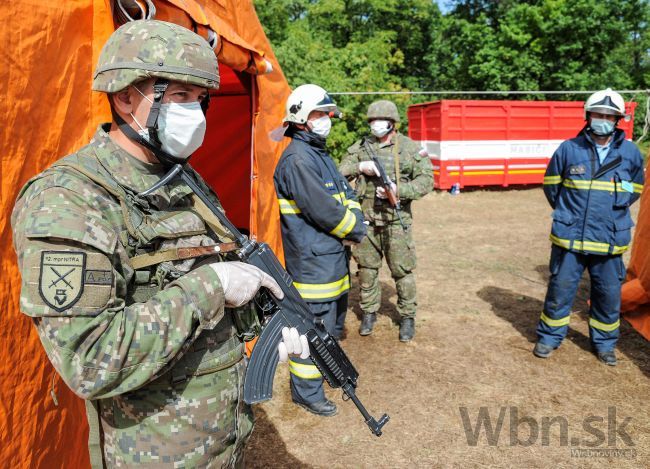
(326, 104)
(604, 110)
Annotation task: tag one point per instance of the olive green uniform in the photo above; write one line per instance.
(385, 236)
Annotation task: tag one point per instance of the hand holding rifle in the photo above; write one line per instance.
(388, 188)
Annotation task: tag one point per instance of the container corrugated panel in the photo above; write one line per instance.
(486, 143)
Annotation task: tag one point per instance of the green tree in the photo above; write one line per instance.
(347, 45)
(479, 45)
(543, 45)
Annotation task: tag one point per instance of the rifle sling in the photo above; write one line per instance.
(210, 218)
(396, 160)
(175, 254)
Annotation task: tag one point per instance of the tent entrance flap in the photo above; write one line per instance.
(224, 160)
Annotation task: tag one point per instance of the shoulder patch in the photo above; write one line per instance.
(61, 279)
(65, 280)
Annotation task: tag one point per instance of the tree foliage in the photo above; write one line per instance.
(478, 45)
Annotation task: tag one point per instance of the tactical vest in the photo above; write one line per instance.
(146, 226)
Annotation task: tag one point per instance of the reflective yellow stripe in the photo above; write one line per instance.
(603, 186)
(555, 322)
(288, 207)
(353, 204)
(346, 203)
(602, 326)
(576, 184)
(586, 184)
(304, 371)
(563, 243)
(322, 291)
(552, 180)
(345, 225)
(636, 188)
(591, 246)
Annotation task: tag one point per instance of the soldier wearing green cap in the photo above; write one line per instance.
(409, 167)
(149, 334)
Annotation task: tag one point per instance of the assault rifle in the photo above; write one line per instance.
(386, 183)
(291, 311)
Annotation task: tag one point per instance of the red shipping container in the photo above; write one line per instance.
(496, 143)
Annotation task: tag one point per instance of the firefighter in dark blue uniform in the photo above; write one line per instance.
(318, 213)
(590, 182)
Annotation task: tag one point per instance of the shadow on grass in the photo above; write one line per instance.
(387, 308)
(523, 313)
(266, 448)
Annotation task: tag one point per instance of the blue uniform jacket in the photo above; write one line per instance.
(318, 210)
(591, 200)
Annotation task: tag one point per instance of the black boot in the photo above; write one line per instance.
(542, 350)
(608, 358)
(407, 329)
(324, 408)
(367, 323)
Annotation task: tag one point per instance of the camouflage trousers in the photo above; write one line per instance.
(397, 245)
(200, 422)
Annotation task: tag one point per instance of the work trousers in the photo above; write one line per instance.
(396, 244)
(606, 274)
(306, 380)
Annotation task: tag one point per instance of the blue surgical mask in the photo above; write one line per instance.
(601, 126)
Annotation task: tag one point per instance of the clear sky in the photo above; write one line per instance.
(443, 5)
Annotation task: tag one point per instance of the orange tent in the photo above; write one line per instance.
(635, 295)
(50, 50)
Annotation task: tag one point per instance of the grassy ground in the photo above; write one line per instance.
(482, 272)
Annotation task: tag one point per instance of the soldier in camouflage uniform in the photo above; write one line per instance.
(410, 169)
(134, 321)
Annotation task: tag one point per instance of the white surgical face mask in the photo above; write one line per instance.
(379, 128)
(181, 127)
(321, 126)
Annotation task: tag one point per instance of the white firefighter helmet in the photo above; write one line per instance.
(605, 102)
(305, 99)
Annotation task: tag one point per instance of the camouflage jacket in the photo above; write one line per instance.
(415, 177)
(153, 341)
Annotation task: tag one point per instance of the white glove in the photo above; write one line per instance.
(293, 344)
(381, 192)
(369, 168)
(240, 282)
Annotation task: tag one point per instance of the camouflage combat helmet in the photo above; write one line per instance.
(143, 49)
(383, 109)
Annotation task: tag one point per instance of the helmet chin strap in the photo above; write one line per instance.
(164, 157)
(159, 88)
